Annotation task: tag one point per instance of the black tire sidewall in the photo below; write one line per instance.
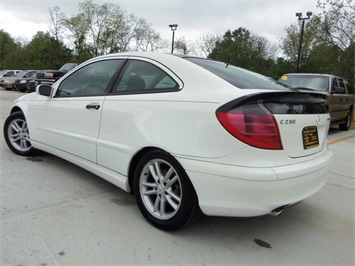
(345, 126)
(188, 199)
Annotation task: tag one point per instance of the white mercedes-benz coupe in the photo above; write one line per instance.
(185, 135)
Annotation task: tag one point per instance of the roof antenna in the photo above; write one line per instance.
(227, 64)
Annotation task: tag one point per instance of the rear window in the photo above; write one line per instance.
(237, 76)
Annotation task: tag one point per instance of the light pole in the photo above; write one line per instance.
(302, 20)
(173, 29)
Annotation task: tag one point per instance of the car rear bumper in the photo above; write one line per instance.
(263, 189)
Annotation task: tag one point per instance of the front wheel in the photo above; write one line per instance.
(163, 191)
(346, 125)
(17, 136)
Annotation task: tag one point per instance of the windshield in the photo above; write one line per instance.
(306, 82)
(237, 76)
(20, 74)
(68, 66)
(30, 74)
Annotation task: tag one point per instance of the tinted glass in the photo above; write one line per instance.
(306, 82)
(90, 80)
(238, 77)
(141, 76)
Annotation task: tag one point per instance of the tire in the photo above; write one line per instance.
(346, 125)
(22, 89)
(163, 191)
(17, 136)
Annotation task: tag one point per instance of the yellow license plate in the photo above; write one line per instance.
(310, 137)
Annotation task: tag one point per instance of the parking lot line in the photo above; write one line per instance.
(341, 139)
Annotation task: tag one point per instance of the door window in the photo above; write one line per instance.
(90, 80)
(140, 76)
(335, 82)
(341, 83)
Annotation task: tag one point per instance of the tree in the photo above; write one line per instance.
(45, 52)
(147, 39)
(11, 52)
(324, 58)
(281, 67)
(207, 42)
(339, 22)
(56, 19)
(103, 29)
(6, 44)
(183, 46)
(339, 28)
(243, 49)
(311, 38)
(78, 28)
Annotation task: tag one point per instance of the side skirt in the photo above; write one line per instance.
(113, 177)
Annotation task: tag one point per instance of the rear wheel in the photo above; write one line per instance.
(163, 191)
(17, 136)
(346, 125)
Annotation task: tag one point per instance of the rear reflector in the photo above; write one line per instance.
(251, 124)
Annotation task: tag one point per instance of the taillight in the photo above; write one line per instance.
(253, 125)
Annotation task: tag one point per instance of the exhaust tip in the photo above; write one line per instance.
(277, 212)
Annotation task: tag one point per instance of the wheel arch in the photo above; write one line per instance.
(135, 160)
(137, 157)
(16, 109)
(352, 111)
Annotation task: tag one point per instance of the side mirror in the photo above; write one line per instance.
(44, 89)
(338, 90)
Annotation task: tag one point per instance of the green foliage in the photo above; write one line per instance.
(45, 52)
(323, 58)
(241, 48)
(339, 22)
(281, 67)
(9, 50)
(103, 29)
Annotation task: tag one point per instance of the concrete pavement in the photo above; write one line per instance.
(54, 213)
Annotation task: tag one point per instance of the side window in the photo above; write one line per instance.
(90, 80)
(335, 82)
(140, 76)
(341, 83)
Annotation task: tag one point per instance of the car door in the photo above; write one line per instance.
(338, 110)
(70, 120)
(126, 111)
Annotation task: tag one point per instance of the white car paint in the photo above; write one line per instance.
(230, 177)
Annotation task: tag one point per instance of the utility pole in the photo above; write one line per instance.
(173, 29)
(302, 20)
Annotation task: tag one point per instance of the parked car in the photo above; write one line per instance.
(339, 102)
(21, 84)
(8, 73)
(185, 135)
(49, 76)
(9, 82)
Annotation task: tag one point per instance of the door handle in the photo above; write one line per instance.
(95, 106)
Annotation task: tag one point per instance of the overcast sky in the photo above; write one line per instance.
(268, 18)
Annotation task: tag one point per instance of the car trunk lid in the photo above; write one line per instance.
(296, 122)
